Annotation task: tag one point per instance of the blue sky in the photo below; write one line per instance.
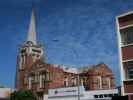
(74, 32)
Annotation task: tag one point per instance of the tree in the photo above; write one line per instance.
(22, 95)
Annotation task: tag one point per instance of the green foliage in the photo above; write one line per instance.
(22, 95)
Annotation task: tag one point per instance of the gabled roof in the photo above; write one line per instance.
(99, 68)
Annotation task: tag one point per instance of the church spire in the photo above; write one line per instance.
(32, 29)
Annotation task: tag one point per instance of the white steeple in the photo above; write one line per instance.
(32, 29)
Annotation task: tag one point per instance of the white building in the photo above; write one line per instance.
(70, 70)
(71, 93)
(5, 93)
(124, 24)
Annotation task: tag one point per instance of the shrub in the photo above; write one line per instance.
(22, 95)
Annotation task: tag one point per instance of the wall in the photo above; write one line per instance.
(5, 92)
(85, 95)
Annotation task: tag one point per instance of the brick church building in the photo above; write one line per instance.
(32, 73)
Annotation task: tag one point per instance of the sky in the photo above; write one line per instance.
(74, 33)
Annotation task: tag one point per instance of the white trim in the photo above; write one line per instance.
(128, 80)
(128, 93)
(40, 82)
(20, 62)
(66, 81)
(24, 60)
(131, 44)
(127, 60)
(109, 83)
(122, 74)
(125, 14)
(30, 84)
(126, 26)
(99, 82)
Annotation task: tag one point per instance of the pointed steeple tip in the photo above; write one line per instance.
(32, 29)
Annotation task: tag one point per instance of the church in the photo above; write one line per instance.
(33, 73)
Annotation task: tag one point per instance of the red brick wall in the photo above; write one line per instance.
(56, 77)
(127, 53)
(99, 70)
(29, 61)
